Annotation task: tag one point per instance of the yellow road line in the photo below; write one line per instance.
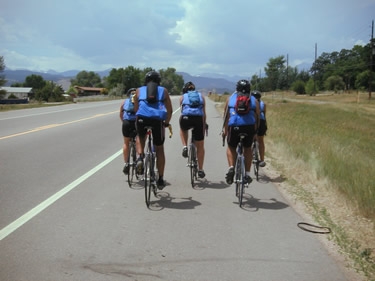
(50, 126)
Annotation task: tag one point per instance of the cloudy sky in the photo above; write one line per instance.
(231, 37)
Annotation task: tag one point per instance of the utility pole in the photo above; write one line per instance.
(372, 51)
(316, 52)
(287, 72)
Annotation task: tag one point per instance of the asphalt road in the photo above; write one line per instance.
(67, 213)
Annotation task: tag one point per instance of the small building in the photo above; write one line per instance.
(19, 92)
(88, 91)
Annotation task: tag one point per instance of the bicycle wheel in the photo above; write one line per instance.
(192, 164)
(256, 159)
(132, 164)
(147, 179)
(239, 179)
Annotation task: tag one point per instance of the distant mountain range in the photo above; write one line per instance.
(206, 82)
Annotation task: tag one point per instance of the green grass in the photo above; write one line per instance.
(339, 144)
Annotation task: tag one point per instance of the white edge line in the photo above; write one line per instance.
(46, 203)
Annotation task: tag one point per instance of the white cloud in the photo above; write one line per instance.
(194, 36)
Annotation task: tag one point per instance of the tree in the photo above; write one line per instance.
(363, 78)
(334, 83)
(299, 87)
(274, 70)
(87, 79)
(303, 76)
(172, 81)
(51, 92)
(129, 77)
(34, 81)
(118, 91)
(2, 77)
(2, 68)
(311, 87)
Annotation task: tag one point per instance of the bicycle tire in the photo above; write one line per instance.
(192, 164)
(147, 179)
(132, 164)
(256, 159)
(239, 179)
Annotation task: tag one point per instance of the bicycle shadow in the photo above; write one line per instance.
(137, 185)
(263, 178)
(165, 200)
(202, 184)
(252, 204)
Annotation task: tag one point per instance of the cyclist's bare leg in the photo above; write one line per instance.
(140, 144)
(160, 159)
(184, 137)
(200, 153)
(231, 155)
(261, 147)
(125, 149)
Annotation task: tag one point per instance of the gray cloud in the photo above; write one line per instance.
(194, 36)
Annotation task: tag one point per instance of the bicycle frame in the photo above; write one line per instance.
(240, 170)
(255, 152)
(192, 161)
(132, 158)
(149, 168)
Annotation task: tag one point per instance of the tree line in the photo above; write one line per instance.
(337, 71)
(116, 84)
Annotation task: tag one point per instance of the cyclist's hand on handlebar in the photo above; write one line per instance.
(170, 129)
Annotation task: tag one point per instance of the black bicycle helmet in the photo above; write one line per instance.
(256, 94)
(189, 86)
(131, 91)
(152, 76)
(243, 86)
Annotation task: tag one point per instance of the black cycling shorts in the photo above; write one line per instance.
(233, 135)
(128, 129)
(262, 128)
(196, 123)
(158, 130)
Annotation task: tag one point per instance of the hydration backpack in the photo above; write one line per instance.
(129, 105)
(242, 105)
(194, 98)
(152, 92)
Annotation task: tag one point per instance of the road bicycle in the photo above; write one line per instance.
(149, 165)
(192, 161)
(149, 168)
(192, 158)
(239, 172)
(132, 160)
(256, 160)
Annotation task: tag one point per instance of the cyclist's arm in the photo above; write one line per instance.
(168, 106)
(122, 110)
(181, 98)
(204, 110)
(226, 117)
(136, 102)
(257, 116)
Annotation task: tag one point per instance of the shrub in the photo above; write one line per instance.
(299, 87)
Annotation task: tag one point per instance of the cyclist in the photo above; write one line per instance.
(262, 127)
(153, 108)
(236, 123)
(127, 116)
(193, 116)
